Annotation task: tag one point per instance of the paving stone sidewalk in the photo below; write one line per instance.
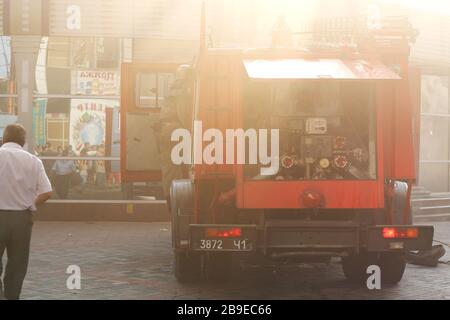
(134, 261)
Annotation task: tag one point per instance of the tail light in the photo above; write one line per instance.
(400, 233)
(223, 233)
(312, 199)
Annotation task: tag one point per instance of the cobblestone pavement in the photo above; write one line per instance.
(133, 261)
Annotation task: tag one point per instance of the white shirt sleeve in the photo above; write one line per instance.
(43, 183)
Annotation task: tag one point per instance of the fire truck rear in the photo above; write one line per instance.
(342, 107)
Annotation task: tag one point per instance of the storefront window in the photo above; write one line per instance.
(83, 53)
(152, 88)
(108, 53)
(8, 98)
(76, 122)
(8, 107)
(434, 174)
(87, 131)
(76, 113)
(78, 66)
(5, 57)
(57, 130)
(435, 94)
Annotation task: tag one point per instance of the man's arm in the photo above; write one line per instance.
(42, 198)
(43, 187)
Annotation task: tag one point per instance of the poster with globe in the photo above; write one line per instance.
(87, 122)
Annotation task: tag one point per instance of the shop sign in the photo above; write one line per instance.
(90, 82)
(88, 121)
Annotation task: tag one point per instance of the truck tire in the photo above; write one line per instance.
(181, 198)
(187, 266)
(392, 267)
(399, 203)
(217, 267)
(355, 266)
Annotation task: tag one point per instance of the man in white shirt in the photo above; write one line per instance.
(24, 185)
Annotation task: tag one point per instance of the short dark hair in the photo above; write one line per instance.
(15, 133)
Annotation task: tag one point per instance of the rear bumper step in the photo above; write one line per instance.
(308, 239)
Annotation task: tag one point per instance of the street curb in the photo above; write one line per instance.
(132, 211)
(432, 217)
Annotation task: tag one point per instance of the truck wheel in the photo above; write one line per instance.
(217, 267)
(180, 200)
(355, 267)
(187, 267)
(392, 267)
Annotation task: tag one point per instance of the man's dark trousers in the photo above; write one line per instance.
(15, 236)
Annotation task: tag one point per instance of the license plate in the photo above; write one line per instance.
(222, 245)
(202, 240)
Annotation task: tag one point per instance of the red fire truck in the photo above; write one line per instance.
(342, 105)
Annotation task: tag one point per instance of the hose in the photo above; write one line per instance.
(446, 245)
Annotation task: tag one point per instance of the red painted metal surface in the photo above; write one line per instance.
(288, 194)
(397, 124)
(403, 157)
(220, 106)
(385, 103)
(219, 100)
